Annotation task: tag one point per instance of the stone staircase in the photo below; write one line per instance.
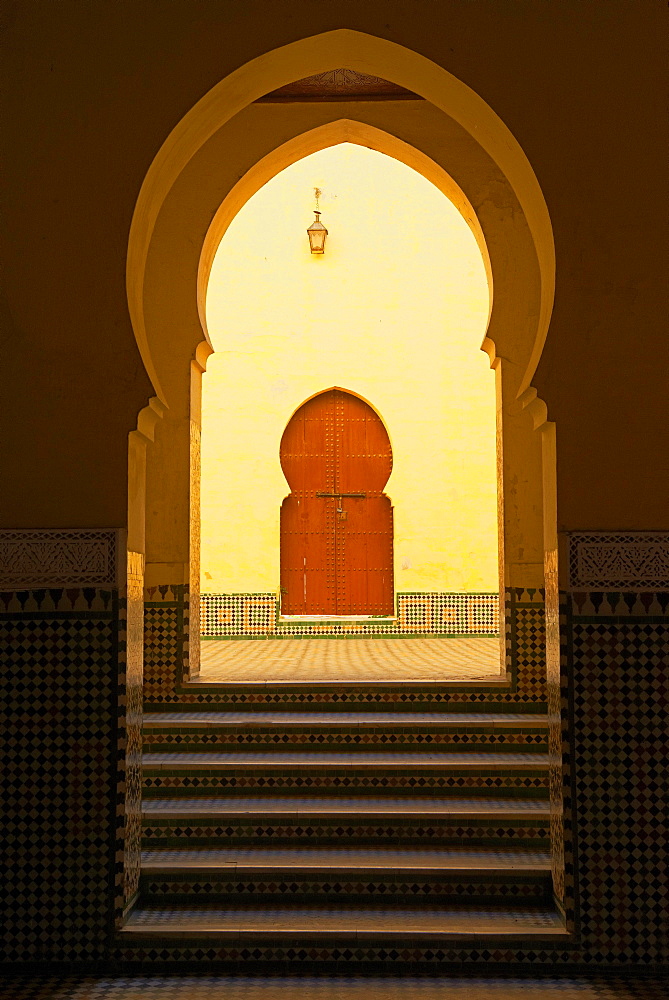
(299, 827)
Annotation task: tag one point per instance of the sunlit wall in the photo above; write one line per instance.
(395, 310)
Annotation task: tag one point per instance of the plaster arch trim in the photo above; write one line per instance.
(316, 54)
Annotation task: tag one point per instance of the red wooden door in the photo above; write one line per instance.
(337, 523)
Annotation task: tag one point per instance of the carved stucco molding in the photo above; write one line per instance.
(625, 560)
(61, 557)
(339, 83)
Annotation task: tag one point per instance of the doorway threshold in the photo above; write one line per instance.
(317, 619)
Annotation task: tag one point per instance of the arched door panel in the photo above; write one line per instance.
(336, 525)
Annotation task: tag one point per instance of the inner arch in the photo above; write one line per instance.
(366, 54)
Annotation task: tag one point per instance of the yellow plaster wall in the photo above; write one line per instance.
(395, 310)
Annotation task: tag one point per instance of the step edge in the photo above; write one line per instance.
(160, 932)
(392, 870)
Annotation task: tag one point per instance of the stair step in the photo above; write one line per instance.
(282, 760)
(184, 721)
(353, 922)
(386, 860)
(337, 808)
(400, 697)
(482, 681)
(239, 791)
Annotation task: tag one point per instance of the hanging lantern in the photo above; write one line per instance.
(317, 233)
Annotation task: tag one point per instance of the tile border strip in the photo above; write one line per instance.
(256, 615)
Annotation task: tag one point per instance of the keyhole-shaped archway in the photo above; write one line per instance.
(217, 156)
(337, 523)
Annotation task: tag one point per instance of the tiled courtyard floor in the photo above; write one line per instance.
(369, 659)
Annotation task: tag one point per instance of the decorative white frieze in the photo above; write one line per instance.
(54, 557)
(630, 560)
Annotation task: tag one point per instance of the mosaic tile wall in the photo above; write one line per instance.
(525, 628)
(166, 640)
(248, 616)
(64, 702)
(60, 710)
(616, 646)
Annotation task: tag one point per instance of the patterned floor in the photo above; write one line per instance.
(489, 987)
(377, 659)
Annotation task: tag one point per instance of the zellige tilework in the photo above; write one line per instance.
(258, 616)
(60, 703)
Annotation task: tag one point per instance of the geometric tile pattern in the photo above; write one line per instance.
(166, 656)
(417, 740)
(311, 799)
(165, 640)
(62, 690)
(59, 719)
(651, 605)
(191, 785)
(625, 560)
(343, 819)
(188, 833)
(257, 615)
(621, 898)
(526, 643)
(620, 745)
(400, 695)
